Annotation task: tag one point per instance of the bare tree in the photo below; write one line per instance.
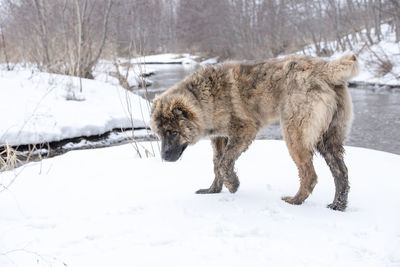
(70, 37)
(396, 17)
(4, 46)
(87, 55)
(42, 14)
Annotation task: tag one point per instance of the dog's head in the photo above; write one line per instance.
(176, 123)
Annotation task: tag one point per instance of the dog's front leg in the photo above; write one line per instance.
(226, 152)
(218, 144)
(224, 163)
(235, 147)
(242, 133)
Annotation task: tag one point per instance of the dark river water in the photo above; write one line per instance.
(376, 121)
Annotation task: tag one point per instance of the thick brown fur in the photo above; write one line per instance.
(232, 102)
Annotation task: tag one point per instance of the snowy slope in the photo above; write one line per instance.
(370, 57)
(107, 207)
(41, 107)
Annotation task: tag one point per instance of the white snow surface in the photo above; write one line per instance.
(107, 207)
(41, 107)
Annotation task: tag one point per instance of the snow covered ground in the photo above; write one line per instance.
(41, 107)
(107, 207)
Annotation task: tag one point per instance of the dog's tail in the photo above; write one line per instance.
(343, 69)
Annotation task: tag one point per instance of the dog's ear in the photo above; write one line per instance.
(181, 111)
(177, 111)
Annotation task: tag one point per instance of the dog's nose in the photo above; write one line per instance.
(170, 156)
(166, 155)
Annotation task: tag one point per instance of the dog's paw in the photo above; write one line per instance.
(292, 200)
(337, 206)
(232, 187)
(207, 191)
(203, 191)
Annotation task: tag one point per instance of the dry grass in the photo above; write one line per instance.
(380, 62)
(11, 158)
(8, 158)
(122, 72)
(380, 66)
(384, 67)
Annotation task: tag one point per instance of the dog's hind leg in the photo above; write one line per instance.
(334, 159)
(331, 148)
(218, 144)
(304, 119)
(302, 156)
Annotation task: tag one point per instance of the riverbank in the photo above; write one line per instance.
(393, 88)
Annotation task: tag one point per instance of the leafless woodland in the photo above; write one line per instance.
(70, 36)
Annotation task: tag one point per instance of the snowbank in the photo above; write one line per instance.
(107, 207)
(43, 107)
(168, 58)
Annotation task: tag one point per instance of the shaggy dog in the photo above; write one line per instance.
(232, 102)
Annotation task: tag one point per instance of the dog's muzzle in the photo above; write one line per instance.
(173, 153)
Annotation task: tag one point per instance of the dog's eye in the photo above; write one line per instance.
(174, 133)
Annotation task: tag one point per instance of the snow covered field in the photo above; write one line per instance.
(107, 207)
